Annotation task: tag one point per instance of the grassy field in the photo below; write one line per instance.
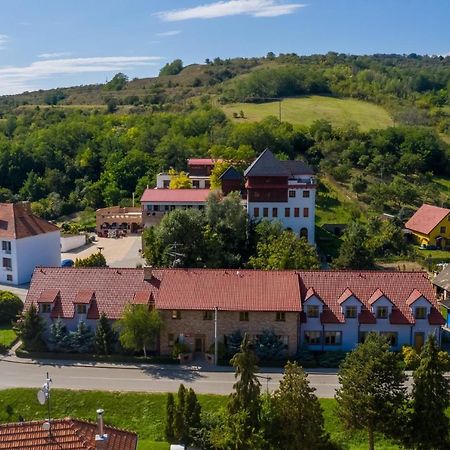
(305, 110)
(144, 413)
(7, 335)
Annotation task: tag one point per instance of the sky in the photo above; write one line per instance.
(56, 43)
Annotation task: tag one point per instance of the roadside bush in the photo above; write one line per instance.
(331, 359)
(178, 348)
(306, 358)
(10, 307)
(410, 357)
(269, 347)
(95, 260)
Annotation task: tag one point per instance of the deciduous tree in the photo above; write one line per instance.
(30, 328)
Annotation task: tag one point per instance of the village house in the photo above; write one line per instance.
(116, 220)
(65, 434)
(320, 310)
(27, 241)
(430, 225)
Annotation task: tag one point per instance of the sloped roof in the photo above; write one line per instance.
(442, 279)
(266, 165)
(175, 195)
(202, 161)
(67, 434)
(17, 222)
(231, 174)
(426, 218)
(297, 168)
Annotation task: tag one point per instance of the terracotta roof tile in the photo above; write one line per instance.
(48, 296)
(202, 161)
(84, 296)
(175, 195)
(345, 296)
(413, 297)
(435, 317)
(426, 218)
(377, 295)
(67, 434)
(366, 317)
(398, 318)
(17, 222)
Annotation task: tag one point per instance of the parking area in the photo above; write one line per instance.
(120, 252)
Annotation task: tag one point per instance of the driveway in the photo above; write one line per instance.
(21, 291)
(121, 252)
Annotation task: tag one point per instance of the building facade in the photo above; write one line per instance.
(284, 191)
(27, 241)
(318, 310)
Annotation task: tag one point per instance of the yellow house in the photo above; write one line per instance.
(430, 225)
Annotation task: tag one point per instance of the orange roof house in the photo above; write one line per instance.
(430, 225)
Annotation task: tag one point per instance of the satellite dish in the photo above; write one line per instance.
(41, 397)
(46, 426)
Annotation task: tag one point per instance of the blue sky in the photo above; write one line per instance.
(51, 43)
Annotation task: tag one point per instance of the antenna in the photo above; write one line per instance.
(43, 397)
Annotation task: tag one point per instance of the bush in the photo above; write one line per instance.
(306, 358)
(410, 357)
(178, 348)
(95, 260)
(10, 307)
(331, 359)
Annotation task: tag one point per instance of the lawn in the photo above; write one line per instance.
(305, 110)
(7, 336)
(143, 413)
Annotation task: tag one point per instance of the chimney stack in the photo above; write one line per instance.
(101, 438)
(148, 273)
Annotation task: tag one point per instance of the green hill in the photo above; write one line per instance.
(305, 110)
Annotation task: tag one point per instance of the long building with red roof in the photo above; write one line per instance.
(323, 310)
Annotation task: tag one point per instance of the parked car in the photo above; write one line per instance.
(67, 263)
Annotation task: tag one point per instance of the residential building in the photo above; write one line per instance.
(321, 310)
(232, 181)
(441, 284)
(430, 225)
(27, 241)
(65, 434)
(157, 202)
(117, 220)
(283, 191)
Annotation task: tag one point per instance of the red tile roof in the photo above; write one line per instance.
(202, 161)
(365, 316)
(435, 317)
(414, 296)
(17, 222)
(376, 296)
(84, 296)
(345, 296)
(426, 218)
(175, 195)
(67, 434)
(48, 296)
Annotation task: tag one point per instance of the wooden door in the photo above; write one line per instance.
(419, 340)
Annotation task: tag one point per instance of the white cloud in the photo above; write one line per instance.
(255, 8)
(3, 40)
(19, 79)
(53, 55)
(168, 33)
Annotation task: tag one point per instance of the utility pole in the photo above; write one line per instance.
(216, 342)
(279, 109)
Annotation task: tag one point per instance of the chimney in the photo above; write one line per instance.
(148, 273)
(101, 438)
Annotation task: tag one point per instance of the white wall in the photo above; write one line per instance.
(40, 250)
(71, 242)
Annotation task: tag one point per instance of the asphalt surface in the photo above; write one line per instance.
(161, 378)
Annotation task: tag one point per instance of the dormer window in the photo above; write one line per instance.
(351, 312)
(312, 311)
(81, 309)
(45, 308)
(382, 312)
(420, 312)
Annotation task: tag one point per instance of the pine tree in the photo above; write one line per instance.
(179, 426)
(170, 416)
(192, 420)
(59, 337)
(429, 425)
(298, 414)
(372, 394)
(105, 337)
(81, 340)
(30, 328)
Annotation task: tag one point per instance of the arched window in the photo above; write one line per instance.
(304, 233)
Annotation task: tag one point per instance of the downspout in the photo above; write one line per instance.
(323, 337)
(411, 335)
(299, 332)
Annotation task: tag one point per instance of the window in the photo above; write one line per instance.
(207, 184)
(207, 315)
(443, 229)
(312, 337)
(166, 208)
(274, 212)
(156, 208)
(363, 336)
(312, 311)
(81, 309)
(45, 308)
(265, 212)
(296, 212)
(280, 316)
(391, 336)
(243, 316)
(170, 339)
(284, 340)
(305, 194)
(256, 212)
(195, 184)
(305, 212)
(166, 184)
(9, 277)
(333, 337)
(382, 312)
(7, 264)
(287, 212)
(176, 314)
(350, 312)
(420, 312)
(291, 194)
(6, 246)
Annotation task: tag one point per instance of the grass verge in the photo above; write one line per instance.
(7, 337)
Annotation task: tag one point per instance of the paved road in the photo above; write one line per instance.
(145, 379)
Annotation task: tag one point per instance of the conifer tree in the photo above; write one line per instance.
(81, 339)
(179, 427)
(372, 394)
(170, 416)
(105, 337)
(30, 328)
(429, 425)
(59, 337)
